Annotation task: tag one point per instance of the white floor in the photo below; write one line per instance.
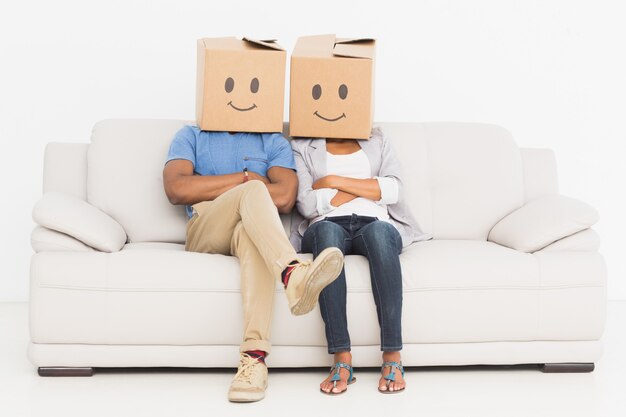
(475, 391)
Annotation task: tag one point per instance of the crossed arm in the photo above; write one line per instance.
(349, 188)
(183, 187)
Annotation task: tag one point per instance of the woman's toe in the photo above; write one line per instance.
(396, 386)
(340, 387)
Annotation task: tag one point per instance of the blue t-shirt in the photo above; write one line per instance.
(220, 153)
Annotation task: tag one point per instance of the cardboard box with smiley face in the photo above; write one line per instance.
(332, 87)
(240, 85)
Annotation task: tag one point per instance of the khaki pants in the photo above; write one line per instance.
(244, 222)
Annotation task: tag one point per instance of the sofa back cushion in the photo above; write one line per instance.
(459, 178)
(125, 178)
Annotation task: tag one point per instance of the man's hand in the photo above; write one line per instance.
(183, 187)
(254, 176)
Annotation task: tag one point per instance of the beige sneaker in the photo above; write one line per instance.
(250, 382)
(308, 279)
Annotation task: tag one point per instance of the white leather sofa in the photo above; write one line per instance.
(512, 276)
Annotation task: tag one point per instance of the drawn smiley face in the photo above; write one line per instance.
(229, 86)
(316, 93)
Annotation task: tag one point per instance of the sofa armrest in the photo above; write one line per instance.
(541, 222)
(72, 216)
(586, 240)
(43, 239)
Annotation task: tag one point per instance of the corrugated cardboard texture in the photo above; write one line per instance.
(332, 87)
(240, 85)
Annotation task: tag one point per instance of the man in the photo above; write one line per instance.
(234, 186)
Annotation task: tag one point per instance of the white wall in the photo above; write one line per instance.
(551, 71)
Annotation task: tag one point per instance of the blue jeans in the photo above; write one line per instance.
(381, 244)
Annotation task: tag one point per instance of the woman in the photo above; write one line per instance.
(350, 193)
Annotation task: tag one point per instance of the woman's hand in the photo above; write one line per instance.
(341, 198)
(366, 188)
(329, 181)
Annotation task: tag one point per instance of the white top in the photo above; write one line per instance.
(355, 165)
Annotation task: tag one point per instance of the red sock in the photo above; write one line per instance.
(259, 355)
(287, 273)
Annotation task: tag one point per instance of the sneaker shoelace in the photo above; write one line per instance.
(303, 263)
(248, 367)
(292, 268)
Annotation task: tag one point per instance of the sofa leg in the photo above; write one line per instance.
(567, 367)
(64, 371)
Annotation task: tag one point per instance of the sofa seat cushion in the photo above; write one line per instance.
(454, 291)
(154, 246)
(457, 291)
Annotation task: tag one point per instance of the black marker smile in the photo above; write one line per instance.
(329, 120)
(230, 103)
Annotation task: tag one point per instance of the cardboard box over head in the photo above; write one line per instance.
(332, 87)
(240, 85)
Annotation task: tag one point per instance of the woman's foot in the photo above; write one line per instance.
(399, 384)
(327, 385)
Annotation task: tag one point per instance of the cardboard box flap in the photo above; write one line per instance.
(355, 48)
(266, 43)
(354, 40)
(219, 43)
(314, 46)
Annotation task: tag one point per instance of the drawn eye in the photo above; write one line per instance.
(317, 91)
(229, 85)
(343, 91)
(254, 85)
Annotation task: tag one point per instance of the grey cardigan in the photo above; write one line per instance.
(310, 156)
